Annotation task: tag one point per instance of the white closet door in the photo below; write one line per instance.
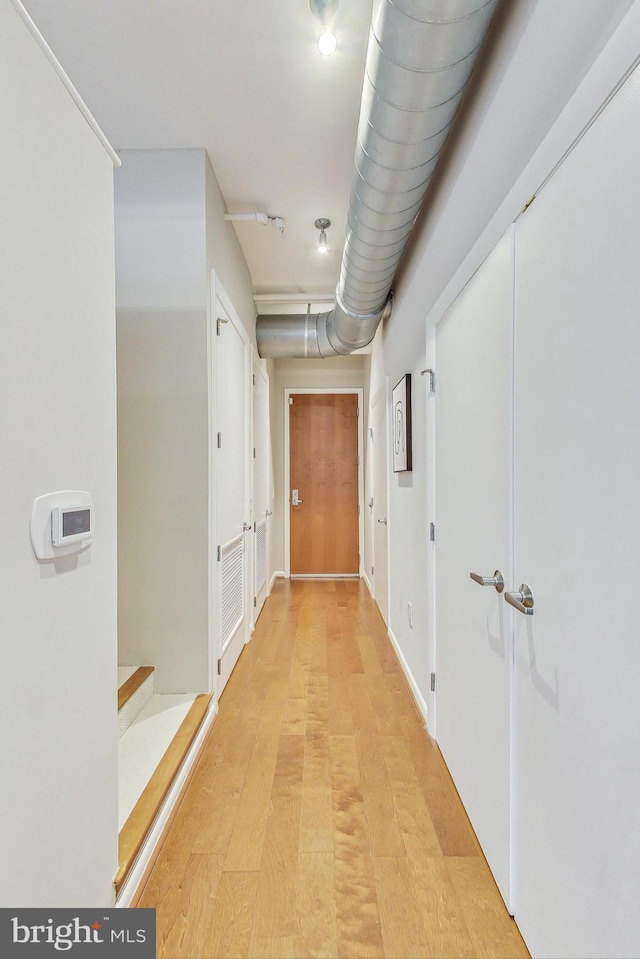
(577, 522)
(473, 490)
(232, 487)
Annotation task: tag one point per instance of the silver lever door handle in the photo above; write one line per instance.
(495, 580)
(246, 527)
(268, 512)
(522, 601)
(383, 521)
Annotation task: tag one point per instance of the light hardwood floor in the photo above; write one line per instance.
(321, 819)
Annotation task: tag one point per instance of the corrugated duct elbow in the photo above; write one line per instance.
(420, 56)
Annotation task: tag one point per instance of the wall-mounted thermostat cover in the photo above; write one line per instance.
(61, 523)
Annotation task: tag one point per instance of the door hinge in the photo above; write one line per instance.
(432, 532)
(432, 379)
(357, 461)
(358, 560)
(219, 441)
(433, 682)
(255, 601)
(291, 401)
(358, 509)
(371, 432)
(254, 379)
(219, 323)
(372, 573)
(528, 204)
(219, 667)
(358, 412)
(254, 452)
(218, 554)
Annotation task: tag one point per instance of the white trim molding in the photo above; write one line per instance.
(57, 66)
(415, 689)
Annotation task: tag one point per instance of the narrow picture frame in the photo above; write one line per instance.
(401, 424)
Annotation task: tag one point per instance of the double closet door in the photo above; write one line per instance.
(538, 476)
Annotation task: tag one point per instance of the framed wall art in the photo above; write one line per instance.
(401, 419)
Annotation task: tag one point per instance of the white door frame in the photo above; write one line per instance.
(292, 390)
(383, 395)
(218, 292)
(259, 368)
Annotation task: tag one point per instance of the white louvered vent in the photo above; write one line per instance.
(232, 587)
(261, 555)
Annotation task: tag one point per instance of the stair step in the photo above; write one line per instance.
(141, 817)
(133, 696)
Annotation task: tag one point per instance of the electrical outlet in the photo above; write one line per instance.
(410, 614)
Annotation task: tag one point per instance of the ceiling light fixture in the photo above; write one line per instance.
(325, 11)
(322, 224)
(327, 43)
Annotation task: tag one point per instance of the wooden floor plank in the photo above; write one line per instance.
(316, 813)
(321, 819)
(445, 930)
(232, 918)
(316, 930)
(493, 932)
(184, 916)
(400, 920)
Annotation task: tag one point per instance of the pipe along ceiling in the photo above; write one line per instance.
(420, 56)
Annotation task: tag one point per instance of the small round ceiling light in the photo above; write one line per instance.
(323, 225)
(327, 43)
(325, 11)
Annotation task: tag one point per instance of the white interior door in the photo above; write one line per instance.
(380, 445)
(232, 472)
(577, 429)
(473, 513)
(262, 503)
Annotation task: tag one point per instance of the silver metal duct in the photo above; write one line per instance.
(419, 59)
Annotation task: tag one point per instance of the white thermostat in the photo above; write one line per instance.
(61, 523)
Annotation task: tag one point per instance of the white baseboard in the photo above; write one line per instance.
(368, 582)
(135, 877)
(417, 695)
(279, 574)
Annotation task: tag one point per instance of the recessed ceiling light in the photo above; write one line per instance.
(327, 43)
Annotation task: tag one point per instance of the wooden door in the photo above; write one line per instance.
(323, 473)
(577, 514)
(232, 477)
(473, 478)
(380, 444)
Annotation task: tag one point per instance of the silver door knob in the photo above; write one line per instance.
(383, 521)
(522, 601)
(495, 580)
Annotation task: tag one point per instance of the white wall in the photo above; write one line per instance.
(58, 801)
(170, 235)
(225, 256)
(161, 272)
(341, 371)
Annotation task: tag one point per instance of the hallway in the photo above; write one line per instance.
(320, 819)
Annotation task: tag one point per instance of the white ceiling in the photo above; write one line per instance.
(244, 80)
